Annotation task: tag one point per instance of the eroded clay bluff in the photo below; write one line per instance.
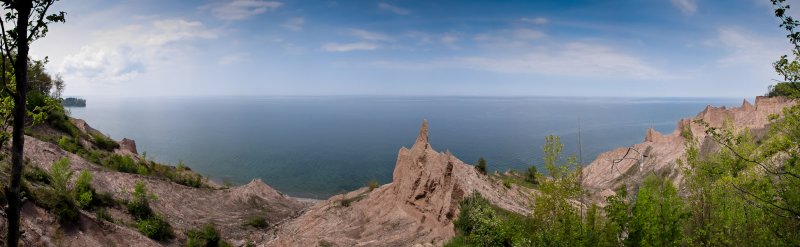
(659, 152)
(417, 208)
(184, 207)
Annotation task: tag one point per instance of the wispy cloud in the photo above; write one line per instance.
(232, 58)
(357, 46)
(237, 10)
(537, 20)
(576, 59)
(123, 53)
(295, 24)
(393, 9)
(747, 49)
(372, 36)
(688, 7)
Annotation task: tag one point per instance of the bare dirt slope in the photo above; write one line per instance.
(184, 207)
(418, 207)
(659, 153)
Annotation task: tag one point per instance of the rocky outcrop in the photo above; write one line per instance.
(418, 207)
(128, 145)
(659, 152)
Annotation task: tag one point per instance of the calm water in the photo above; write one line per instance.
(319, 146)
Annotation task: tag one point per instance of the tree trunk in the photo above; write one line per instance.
(21, 73)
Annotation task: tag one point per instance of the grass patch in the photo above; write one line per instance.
(257, 221)
(205, 236)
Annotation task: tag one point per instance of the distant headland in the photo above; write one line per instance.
(73, 102)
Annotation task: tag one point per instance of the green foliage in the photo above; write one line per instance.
(155, 227)
(658, 215)
(84, 193)
(481, 166)
(148, 222)
(207, 236)
(61, 201)
(257, 221)
(73, 102)
(69, 144)
(104, 142)
(139, 204)
(36, 174)
(481, 224)
(531, 175)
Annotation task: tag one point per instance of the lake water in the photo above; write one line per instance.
(319, 146)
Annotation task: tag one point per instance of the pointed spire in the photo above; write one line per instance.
(423, 132)
(747, 106)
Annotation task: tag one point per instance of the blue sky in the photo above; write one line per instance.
(661, 48)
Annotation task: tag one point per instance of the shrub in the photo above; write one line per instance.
(139, 204)
(148, 223)
(257, 221)
(531, 174)
(122, 163)
(36, 174)
(103, 215)
(373, 184)
(69, 144)
(103, 142)
(155, 227)
(59, 198)
(479, 222)
(205, 236)
(84, 193)
(481, 166)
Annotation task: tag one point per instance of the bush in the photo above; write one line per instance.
(122, 163)
(147, 222)
(69, 144)
(155, 227)
(373, 184)
(36, 174)
(63, 205)
(139, 204)
(479, 222)
(257, 221)
(103, 142)
(481, 166)
(103, 215)
(84, 193)
(531, 174)
(206, 236)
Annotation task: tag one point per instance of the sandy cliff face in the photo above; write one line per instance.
(659, 152)
(418, 207)
(184, 207)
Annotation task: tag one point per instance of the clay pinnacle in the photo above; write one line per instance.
(423, 132)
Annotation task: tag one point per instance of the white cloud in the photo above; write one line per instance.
(575, 59)
(688, 7)
(448, 39)
(124, 53)
(294, 24)
(236, 10)
(358, 46)
(232, 58)
(537, 20)
(372, 36)
(748, 50)
(393, 9)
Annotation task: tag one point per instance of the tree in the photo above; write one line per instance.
(481, 166)
(28, 21)
(531, 174)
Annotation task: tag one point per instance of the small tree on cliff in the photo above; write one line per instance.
(481, 166)
(24, 21)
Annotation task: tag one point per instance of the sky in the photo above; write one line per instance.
(619, 48)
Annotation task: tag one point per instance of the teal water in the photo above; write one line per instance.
(319, 146)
